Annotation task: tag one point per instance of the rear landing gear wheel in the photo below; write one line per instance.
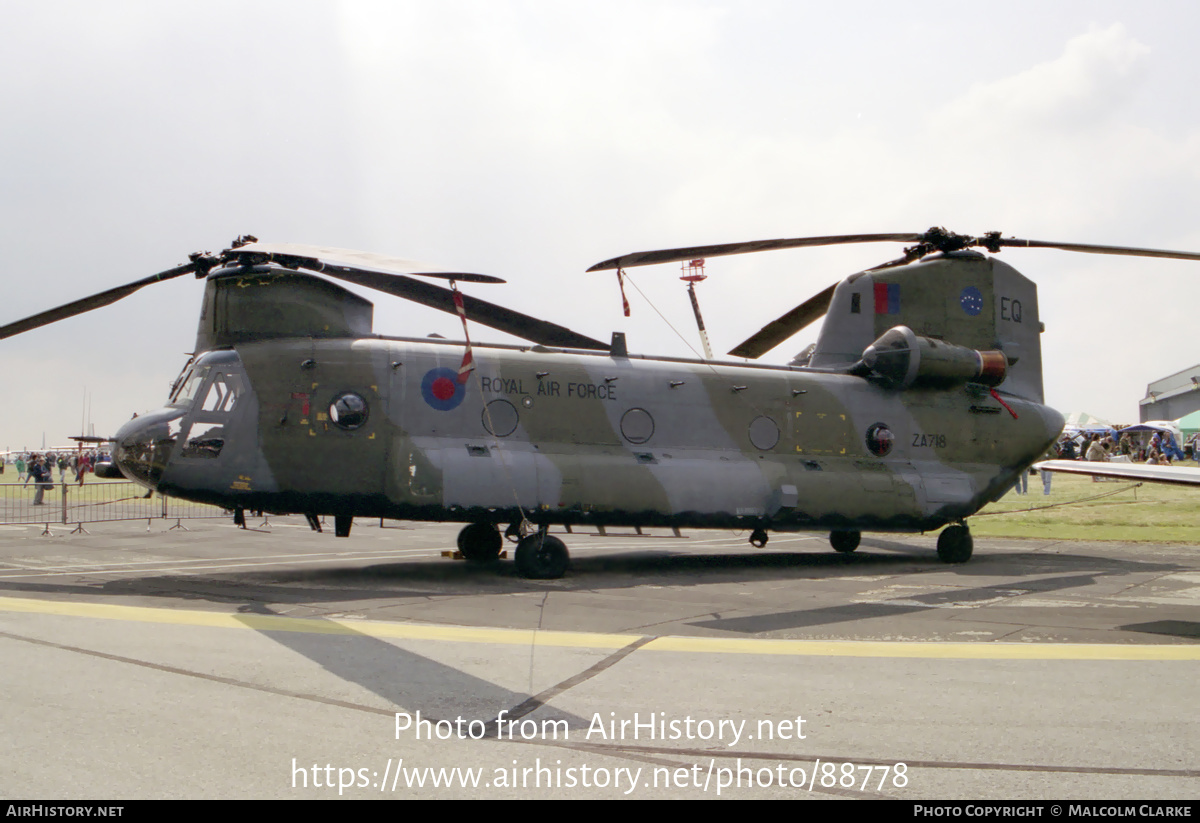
(479, 543)
(954, 544)
(541, 556)
(759, 538)
(844, 541)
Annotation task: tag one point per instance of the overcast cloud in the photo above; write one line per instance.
(532, 139)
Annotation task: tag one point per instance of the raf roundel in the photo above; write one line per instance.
(441, 389)
(971, 300)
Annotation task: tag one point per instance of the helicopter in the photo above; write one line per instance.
(920, 403)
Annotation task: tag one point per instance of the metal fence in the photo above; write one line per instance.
(67, 503)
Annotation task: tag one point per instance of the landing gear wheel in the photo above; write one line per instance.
(759, 538)
(955, 544)
(844, 541)
(479, 543)
(541, 556)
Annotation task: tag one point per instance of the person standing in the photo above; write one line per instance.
(42, 479)
(1022, 482)
(1066, 448)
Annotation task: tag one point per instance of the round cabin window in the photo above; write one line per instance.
(500, 418)
(348, 411)
(764, 433)
(637, 426)
(880, 439)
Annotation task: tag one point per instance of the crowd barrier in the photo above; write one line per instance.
(67, 503)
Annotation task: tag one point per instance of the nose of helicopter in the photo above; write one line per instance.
(145, 443)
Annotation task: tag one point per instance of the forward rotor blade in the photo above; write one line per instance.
(777, 331)
(1129, 251)
(96, 301)
(328, 261)
(478, 311)
(647, 258)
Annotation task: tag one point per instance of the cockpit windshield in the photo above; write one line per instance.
(186, 393)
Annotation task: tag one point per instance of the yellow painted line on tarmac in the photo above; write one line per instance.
(308, 625)
(596, 640)
(925, 650)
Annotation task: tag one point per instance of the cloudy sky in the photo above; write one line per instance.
(532, 139)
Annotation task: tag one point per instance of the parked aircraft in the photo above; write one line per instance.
(920, 403)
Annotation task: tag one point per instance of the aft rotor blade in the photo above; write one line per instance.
(329, 261)
(647, 258)
(933, 240)
(478, 311)
(96, 301)
(1129, 251)
(777, 331)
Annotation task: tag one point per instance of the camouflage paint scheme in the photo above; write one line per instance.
(584, 437)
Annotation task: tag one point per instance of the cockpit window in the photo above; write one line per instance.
(187, 392)
(222, 393)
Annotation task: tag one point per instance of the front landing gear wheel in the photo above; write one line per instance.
(541, 556)
(479, 543)
(844, 541)
(955, 544)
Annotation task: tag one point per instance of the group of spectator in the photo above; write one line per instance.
(40, 468)
(1160, 450)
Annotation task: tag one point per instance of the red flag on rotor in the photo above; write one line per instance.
(468, 361)
(621, 283)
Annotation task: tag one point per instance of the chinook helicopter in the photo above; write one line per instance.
(920, 403)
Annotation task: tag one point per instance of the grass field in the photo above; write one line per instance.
(1080, 509)
(1076, 509)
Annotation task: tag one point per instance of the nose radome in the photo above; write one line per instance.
(145, 443)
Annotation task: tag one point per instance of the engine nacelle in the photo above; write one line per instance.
(903, 359)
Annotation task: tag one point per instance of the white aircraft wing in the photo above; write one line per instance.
(1179, 475)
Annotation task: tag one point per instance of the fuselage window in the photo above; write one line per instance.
(348, 411)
